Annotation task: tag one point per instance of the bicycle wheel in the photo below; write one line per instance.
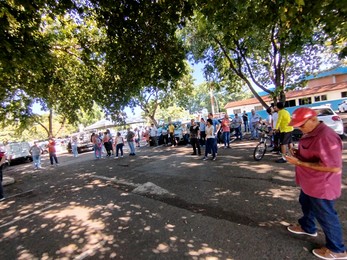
(259, 151)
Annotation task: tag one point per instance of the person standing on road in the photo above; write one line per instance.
(97, 145)
(202, 132)
(119, 143)
(106, 141)
(269, 124)
(245, 121)
(2, 162)
(255, 121)
(172, 134)
(153, 133)
(194, 132)
(164, 132)
(52, 152)
(35, 152)
(285, 130)
(216, 127)
(237, 123)
(276, 134)
(210, 140)
(318, 171)
(130, 139)
(226, 131)
(137, 137)
(74, 146)
(110, 141)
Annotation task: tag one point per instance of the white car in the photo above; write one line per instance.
(343, 106)
(330, 118)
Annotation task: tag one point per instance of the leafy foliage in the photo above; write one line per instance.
(265, 43)
(67, 55)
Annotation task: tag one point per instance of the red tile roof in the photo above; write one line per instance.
(291, 94)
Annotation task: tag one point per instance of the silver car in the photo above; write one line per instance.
(330, 118)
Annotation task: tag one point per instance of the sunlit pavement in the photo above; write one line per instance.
(162, 203)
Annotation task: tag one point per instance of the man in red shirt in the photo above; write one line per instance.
(52, 152)
(318, 172)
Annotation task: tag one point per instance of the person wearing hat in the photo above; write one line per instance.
(318, 172)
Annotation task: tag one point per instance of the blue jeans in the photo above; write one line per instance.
(254, 131)
(97, 151)
(74, 150)
(322, 210)
(132, 147)
(37, 161)
(226, 138)
(245, 123)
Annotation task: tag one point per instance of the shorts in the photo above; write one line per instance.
(286, 138)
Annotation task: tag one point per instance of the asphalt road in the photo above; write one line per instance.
(162, 203)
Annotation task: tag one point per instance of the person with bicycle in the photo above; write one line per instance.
(318, 172)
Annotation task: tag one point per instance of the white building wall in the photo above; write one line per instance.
(332, 95)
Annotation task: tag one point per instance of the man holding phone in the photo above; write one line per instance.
(318, 172)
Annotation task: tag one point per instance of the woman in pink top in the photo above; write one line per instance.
(226, 131)
(318, 161)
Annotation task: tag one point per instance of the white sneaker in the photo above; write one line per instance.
(116, 157)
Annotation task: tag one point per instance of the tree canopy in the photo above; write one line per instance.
(69, 55)
(265, 43)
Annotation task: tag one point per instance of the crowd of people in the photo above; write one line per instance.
(317, 160)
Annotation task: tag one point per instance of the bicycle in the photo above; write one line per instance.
(261, 147)
(265, 141)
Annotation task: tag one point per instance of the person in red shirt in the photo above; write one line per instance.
(318, 172)
(52, 152)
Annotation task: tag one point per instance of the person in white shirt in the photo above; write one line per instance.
(210, 140)
(153, 134)
(119, 143)
(255, 118)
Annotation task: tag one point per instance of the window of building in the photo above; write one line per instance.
(305, 101)
(258, 108)
(237, 111)
(320, 98)
(290, 103)
(344, 94)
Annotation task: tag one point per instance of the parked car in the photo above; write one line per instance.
(343, 106)
(18, 152)
(83, 142)
(328, 116)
